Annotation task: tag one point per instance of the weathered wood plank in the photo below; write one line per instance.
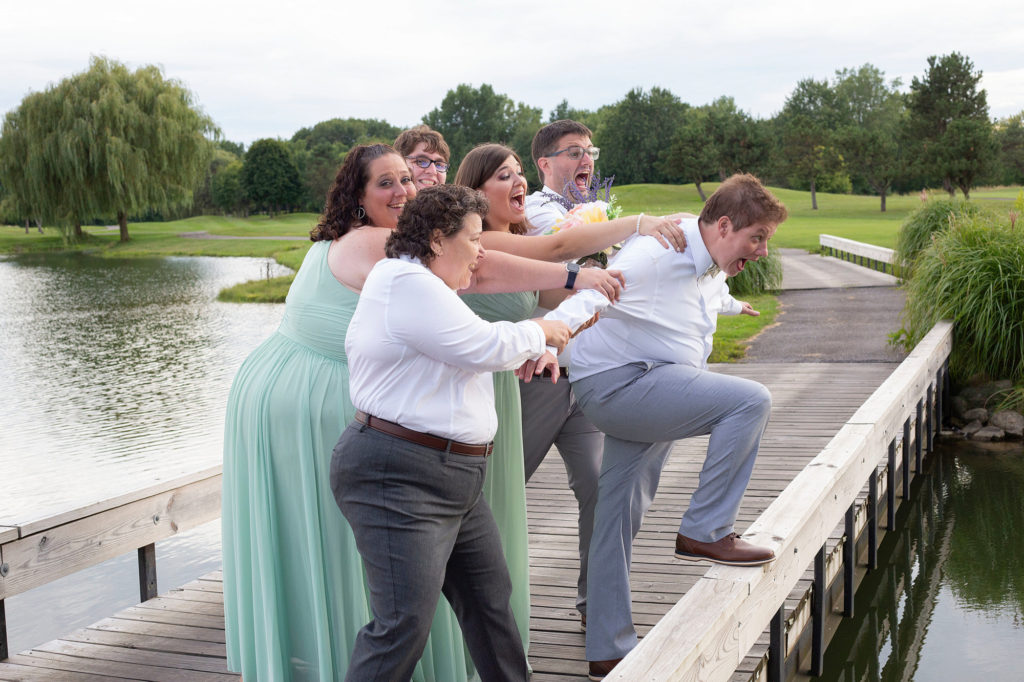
(42, 557)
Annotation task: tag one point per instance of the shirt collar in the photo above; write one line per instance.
(696, 247)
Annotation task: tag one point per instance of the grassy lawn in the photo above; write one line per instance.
(853, 217)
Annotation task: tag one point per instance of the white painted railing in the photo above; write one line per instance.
(710, 630)
(869, 255)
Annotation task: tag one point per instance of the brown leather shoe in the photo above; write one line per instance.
(730, 550)
(598, 669)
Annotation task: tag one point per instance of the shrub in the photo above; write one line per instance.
(916, 231)
(973, 274)
(760, 276)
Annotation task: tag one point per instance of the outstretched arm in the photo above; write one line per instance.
(581, 240)
(503, 272)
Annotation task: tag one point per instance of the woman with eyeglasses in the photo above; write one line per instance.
(427, 154)
(294, 591)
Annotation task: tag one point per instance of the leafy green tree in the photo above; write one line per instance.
(269, 177)
(202, 200)
(470, 116)
(347, 132)
(740, 144)
(227, 192)
(690, 156)
(636, 132)
(807, 139)
(107, 141)
(1009, 139)
(871, 115)
(949, 92)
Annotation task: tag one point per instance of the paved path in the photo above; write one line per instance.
(831, 311)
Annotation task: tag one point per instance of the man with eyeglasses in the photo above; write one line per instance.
(427, 155)
(564, 155)
(565, 160)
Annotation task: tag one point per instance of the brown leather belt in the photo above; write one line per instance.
(563, 372)
(420, 438)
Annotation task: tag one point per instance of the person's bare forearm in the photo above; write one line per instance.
(501, 272)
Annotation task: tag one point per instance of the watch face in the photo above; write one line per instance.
(572, 267)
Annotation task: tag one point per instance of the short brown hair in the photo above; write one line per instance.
(546, 139)
(442, 207)
(745, 201)
(406, 143)
(479, 165)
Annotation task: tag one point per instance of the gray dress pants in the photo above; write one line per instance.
(643, 408)
(423, 528)
(551, 416)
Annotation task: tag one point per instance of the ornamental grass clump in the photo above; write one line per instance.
(973, 274)
(935, 215)
(757, 277)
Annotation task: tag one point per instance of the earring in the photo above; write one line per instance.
(360, 213)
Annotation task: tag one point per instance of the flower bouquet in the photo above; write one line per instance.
(596, 205)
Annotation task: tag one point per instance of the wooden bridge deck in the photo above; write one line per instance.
(180, 635)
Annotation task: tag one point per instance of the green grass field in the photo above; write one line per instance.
(853, 217)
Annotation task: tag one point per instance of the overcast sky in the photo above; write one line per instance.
(266, 69)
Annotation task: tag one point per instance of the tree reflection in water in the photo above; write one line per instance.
(947, 598)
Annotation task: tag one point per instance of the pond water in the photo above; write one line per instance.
(947, 600)
(114, 375)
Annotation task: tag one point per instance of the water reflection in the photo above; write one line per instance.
(114, 375)
(947, 598)
(114, 372)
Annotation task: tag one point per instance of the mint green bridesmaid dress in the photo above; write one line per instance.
(505, 485)
(294, 593)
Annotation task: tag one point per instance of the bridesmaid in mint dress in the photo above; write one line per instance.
(294, 594)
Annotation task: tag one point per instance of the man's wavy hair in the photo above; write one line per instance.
(441, 208)
(479, 165)
(746, 201)
(341, 213)
(406, 142)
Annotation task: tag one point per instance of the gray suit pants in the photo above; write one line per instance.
(551, 416)
(423, 528)
(642, 408)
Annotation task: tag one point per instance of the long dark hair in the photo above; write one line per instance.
(342, 211)
(479, 165)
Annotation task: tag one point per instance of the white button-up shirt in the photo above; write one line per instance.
(543, 210)
(418, 356)
(667, 313)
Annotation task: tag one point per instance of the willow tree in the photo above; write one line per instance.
(108, 141)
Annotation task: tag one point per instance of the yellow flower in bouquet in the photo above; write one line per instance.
(581, 214)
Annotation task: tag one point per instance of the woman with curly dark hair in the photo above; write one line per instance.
(408, 472)
(294, 593)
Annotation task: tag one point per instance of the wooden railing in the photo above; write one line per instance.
(870, 256)
(37, 552)
(709, 631)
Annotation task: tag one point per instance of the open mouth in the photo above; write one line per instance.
(582, 180)
(517, 201)
(397, 207)
(427, 182)
(740, 264)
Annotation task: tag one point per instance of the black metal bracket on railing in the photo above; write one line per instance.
(890, 488)
(929, 419)
(918, 432)
(906, 459)
(147, 572)
(873, 521)
(818, 615)
(849, 560)
(777, 646)
(3, 632)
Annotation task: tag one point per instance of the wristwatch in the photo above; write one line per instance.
(573, 269)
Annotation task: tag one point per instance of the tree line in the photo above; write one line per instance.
(135, 144)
